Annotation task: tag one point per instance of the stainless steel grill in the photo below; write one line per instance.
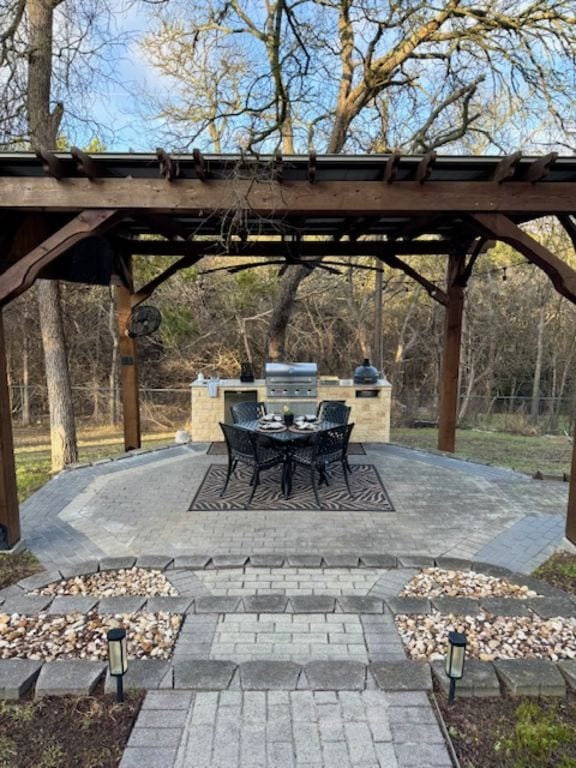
(291, 380)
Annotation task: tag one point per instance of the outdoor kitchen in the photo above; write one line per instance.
(299, 387)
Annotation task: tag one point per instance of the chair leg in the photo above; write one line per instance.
(315, 487)
(254, 482)
(345, 470)
(229, 471)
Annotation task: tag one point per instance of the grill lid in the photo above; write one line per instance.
(290, 371)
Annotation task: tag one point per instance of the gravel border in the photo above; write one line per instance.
(17, 679)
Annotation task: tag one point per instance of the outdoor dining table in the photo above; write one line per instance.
(286, 438)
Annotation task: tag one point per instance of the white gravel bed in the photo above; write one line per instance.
(138, 582)
(489, 637)
(438, 582)
(83, 636)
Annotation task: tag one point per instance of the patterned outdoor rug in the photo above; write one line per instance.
(219, 449)
(369, 495)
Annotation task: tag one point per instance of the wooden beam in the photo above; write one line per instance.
(506, 168)
(21, 275)
(499, 227)
(50, 163)
(277, 248)
(85, 164)
(424, 168)
(433, 291)
(571, 511)
(168, 168)
(570, 227)
(278, 171)
(128, 370)
(391, 168)
(199, 164)
(540, 168)
(9, 512)
(147, 290)
(451, 354)
(188, 197)
(312, 167)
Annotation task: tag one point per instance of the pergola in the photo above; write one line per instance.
(79, 217)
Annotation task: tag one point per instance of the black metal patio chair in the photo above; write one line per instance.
(321, 452)
(245, 448)
(333, 410)
(247, 411)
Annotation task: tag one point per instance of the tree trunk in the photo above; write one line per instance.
(282, 311)
(43, 126)
(534, 409)
(25, 382)
(62, 429)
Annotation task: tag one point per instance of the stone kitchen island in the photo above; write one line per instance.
(370, 404)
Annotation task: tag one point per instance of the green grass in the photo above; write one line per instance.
(32, 453)
(549, 454)
(16, 567)
(559, 571)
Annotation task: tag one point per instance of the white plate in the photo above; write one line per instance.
(272, 426)
(268, 417)
(310, 417)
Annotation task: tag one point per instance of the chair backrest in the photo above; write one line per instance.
(334, 410)
(239, 442)
(332, 443)
(248, 411)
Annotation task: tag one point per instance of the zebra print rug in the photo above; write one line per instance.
(368, 493)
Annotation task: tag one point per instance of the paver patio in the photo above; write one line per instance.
(251, 615)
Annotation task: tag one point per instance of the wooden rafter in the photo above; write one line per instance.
(391, 168)
(540, 168)
(499, 227)
(424, 168)
(570, 227)
(85, 164)
(277, 248)
(312, 167)
(50, 163)
(506, 168)
(147, 290)
(433, 290)
(199, 164)
(168, 167)
(481, 245)
(278, 167)
(20, 276)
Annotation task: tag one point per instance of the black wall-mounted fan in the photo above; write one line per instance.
(144, 320)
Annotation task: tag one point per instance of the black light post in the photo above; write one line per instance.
(117, 658)
(455, 661)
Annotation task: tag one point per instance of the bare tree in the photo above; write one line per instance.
(354, 75)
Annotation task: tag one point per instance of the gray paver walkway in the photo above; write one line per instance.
(443, 507)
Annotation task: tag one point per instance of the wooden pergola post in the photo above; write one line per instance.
(128, 369)
(571, 511)
(9, 512)
(451, 353)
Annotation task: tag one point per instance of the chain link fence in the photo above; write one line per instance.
(161, 409)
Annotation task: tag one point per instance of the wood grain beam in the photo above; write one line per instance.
(571, 510)
(451, 353)
(499, 227)
(147, 290)
(199, 164)
(85, 164)
(391, 168)
(506, 168)
(20, 276)
(540, 168)
(268, 198)
(277, 248)
(433, 290)
(9, 512)
(168, 168)
(312, 167)
(50, 163)
(424, 168)
(128, 369)
(570, 227)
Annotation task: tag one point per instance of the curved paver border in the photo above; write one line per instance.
(192, 671)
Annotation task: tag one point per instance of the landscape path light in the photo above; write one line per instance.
(117, 658)
(455, 660)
